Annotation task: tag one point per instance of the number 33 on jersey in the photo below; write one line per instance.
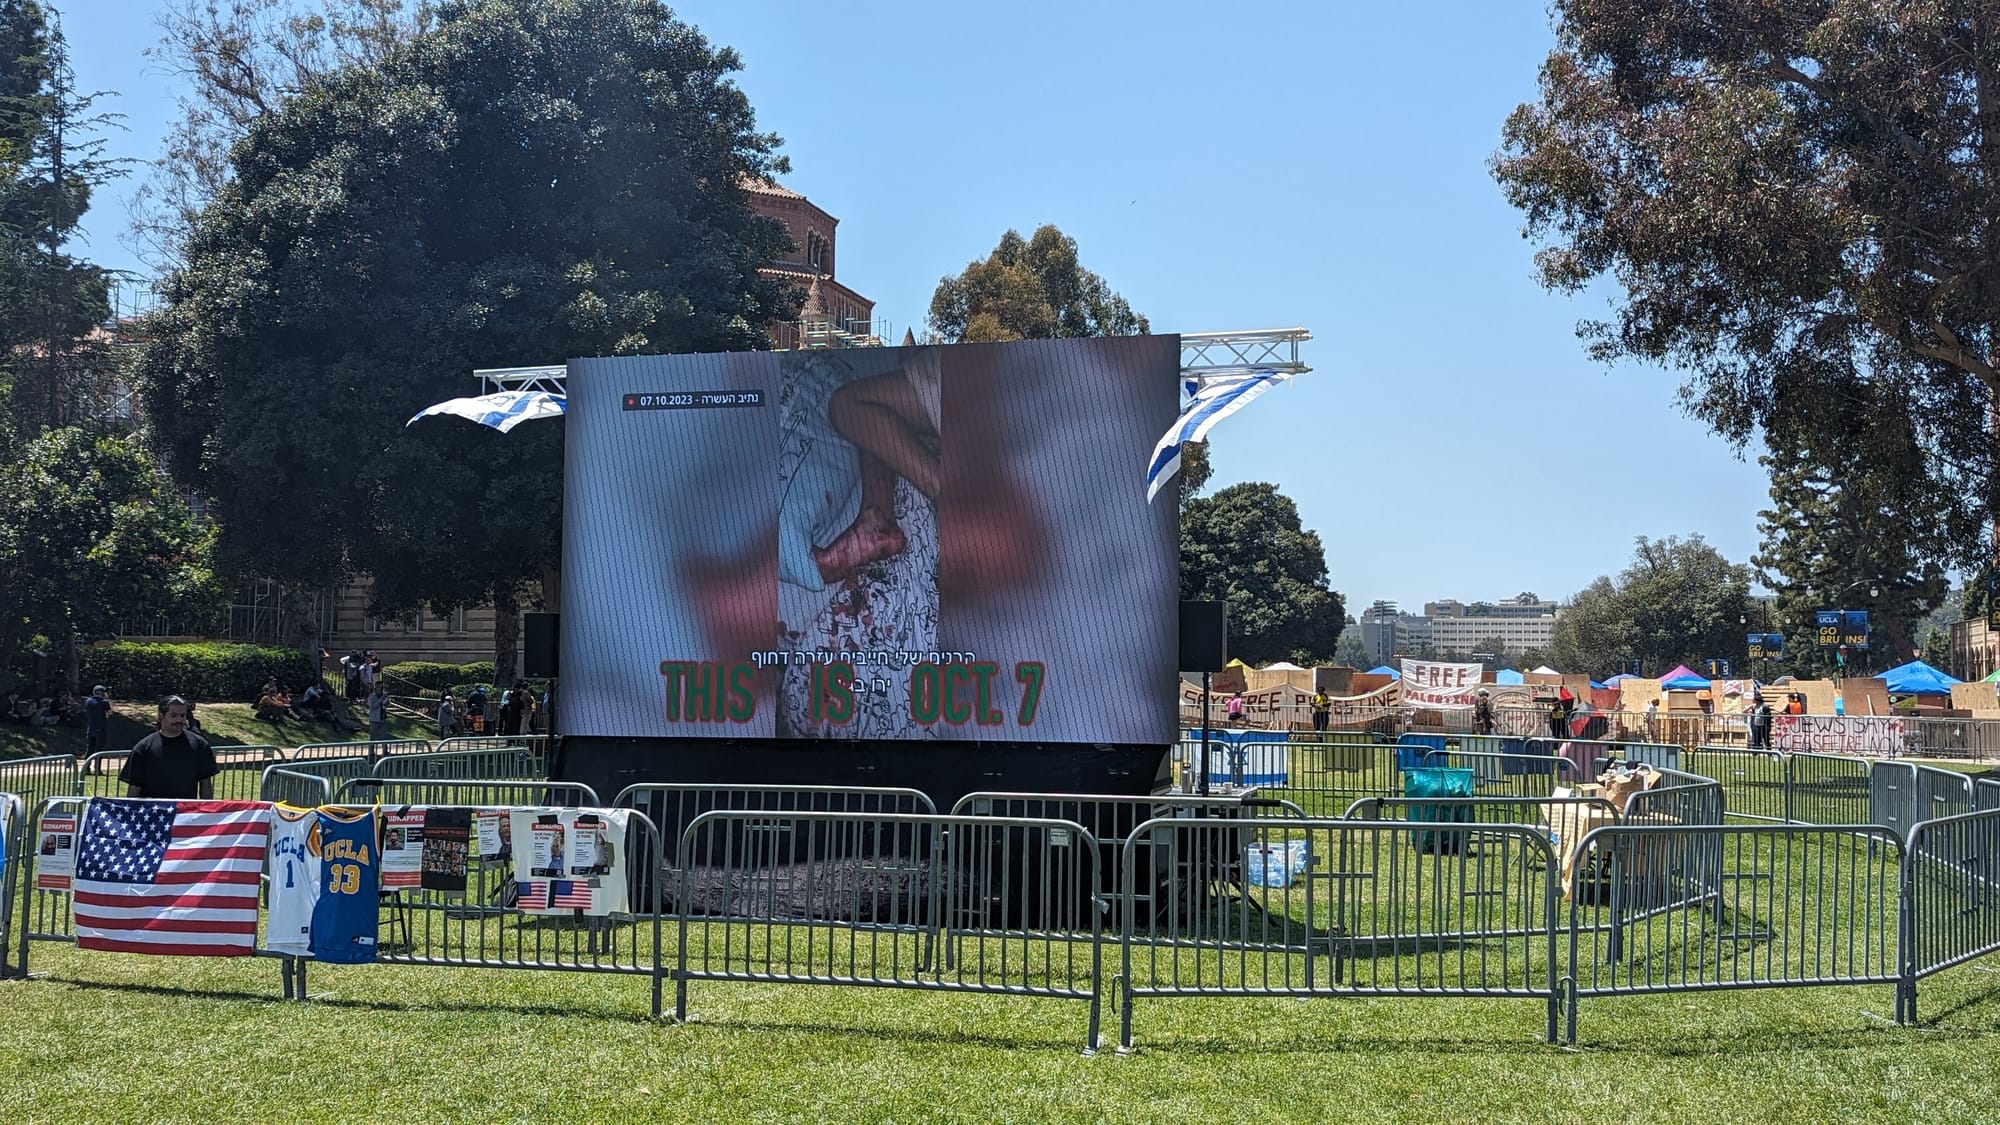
(324, 879)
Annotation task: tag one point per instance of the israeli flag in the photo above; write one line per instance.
(502, 411)
(1210, 400)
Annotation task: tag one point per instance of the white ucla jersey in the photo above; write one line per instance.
(295, 880)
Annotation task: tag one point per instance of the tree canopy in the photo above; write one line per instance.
(1245, 545)
(521, 183)
(1678, 602)
(1798, 202)
(238, 61)
(90, 532)
(50, 159)
(1828, 539)
(1030, 289)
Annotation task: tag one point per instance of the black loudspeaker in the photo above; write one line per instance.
(539, 658)
(1204, 636)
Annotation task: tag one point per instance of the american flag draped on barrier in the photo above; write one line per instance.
(170, 876)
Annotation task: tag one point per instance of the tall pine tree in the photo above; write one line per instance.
(50, 159)
(1831, 536)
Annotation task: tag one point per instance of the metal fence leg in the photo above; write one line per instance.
(1569, 1003)
(659, 970)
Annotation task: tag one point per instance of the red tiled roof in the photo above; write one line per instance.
(769, 187)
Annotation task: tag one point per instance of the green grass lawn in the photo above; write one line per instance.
(114, 1038)
(225, 724)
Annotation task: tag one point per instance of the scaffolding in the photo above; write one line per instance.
(1203, 355)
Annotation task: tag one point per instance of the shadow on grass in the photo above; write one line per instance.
(913, 1036)
(472, 1007)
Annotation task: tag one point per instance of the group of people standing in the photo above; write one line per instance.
(519, 711)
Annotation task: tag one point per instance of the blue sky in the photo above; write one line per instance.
(1244, 166)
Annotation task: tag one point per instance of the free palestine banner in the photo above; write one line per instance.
(1437, 683)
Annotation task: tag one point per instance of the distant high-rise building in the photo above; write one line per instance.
(1387, 632)
(1461, 629)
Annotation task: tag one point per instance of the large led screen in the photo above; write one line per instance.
(872, 543)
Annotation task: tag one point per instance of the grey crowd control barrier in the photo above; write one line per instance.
(240, 778)
(997, 905)
(35, 780)
(1513, 893)
(13, 855)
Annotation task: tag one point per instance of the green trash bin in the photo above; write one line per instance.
(1438, 781)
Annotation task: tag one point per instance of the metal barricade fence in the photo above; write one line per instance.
(35, 780)
(1560, 818)
(483, 926)
(462, 764)
(240, 773)
(1827, 789)
(1952, 893)
(1659, 755)
(1986, 793)
(43, 912)
(537, 746)
(1389, 919)
(1952, 738)
(484, 793)
(1942, 793)
(1588, 757)
(1113, 820)
(1014, 903)
(1326, 771)
(298, 787)
(673, 806)
(371, 750)
(13, 854)
(1524, 774)
(1801, 905)
(1678, 797)
(1892, 796)
(1755, 783)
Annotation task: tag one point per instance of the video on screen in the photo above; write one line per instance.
(872, 543)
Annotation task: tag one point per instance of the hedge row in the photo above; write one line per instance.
(432, 676)
(205, 671)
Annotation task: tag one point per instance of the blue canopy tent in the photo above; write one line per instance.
(1509, 676)
(1384, 670)
(1917, 678)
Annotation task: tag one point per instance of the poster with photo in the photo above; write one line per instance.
(55, 854)
(402, 848)
(446, 844)
(573, 861)
(493, 831)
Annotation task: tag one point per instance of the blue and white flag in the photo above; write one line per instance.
(1210, 400)
(502, 411)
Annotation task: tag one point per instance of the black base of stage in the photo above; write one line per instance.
(942, 771)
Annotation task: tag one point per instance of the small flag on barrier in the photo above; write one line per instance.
(554, 894)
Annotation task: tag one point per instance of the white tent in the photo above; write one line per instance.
(1545, 670)
(1281, 666)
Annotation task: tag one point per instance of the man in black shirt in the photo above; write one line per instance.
(172, 762)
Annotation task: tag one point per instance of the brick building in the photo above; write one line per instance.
(833, 315)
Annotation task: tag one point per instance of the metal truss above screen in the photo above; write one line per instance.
(1203, 354)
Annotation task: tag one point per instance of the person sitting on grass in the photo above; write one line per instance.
(268, 707)
(318, 701)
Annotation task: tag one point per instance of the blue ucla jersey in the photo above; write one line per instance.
(344, 918)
